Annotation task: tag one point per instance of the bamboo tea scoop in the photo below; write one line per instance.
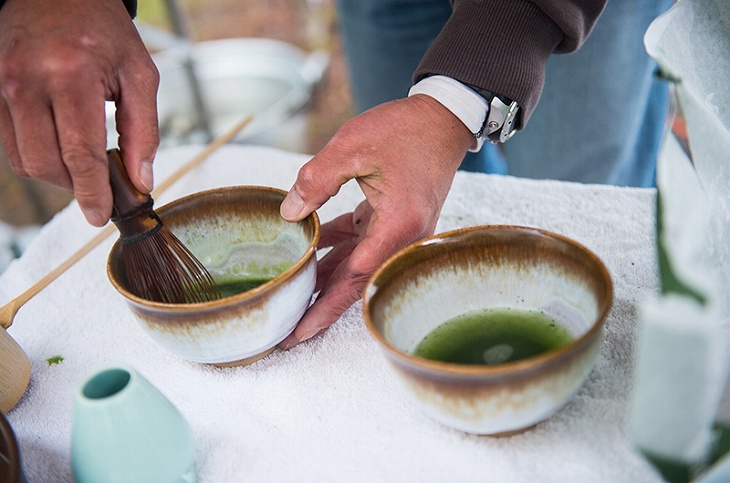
(14, 363)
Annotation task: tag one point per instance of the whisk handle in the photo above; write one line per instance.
(127, 199)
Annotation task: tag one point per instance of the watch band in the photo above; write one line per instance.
(489, 116)
(131, 7)
(501, 121)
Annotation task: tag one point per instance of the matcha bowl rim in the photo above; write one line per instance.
(456, 236)
(248, 294)
(424, 285)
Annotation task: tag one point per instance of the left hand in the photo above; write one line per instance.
(404, 155)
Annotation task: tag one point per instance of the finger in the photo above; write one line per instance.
(345, 226)
(336, 230)
(342, 234)
(38, 155)
(329, 263)
(82, 139)
(343, 289)
(136, 120)
(361, 217)
(317, 181)
(7, 140)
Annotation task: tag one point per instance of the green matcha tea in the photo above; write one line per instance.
(229, 288)
(493, 336)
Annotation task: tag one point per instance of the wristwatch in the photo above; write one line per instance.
(501, 121)
(488, 116)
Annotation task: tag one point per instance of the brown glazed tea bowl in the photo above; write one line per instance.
(489, 267)
(240, 237)
(10, 464)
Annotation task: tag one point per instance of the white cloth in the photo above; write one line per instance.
(330, 409)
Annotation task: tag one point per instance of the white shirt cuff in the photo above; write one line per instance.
(463, 102)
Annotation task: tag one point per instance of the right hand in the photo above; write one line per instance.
(59, 63)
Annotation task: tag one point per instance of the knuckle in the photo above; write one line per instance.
(314, 179)
(145, 74)
(10, 75)
(307, 179)
(42, 171)
(81, 162)
(310, 182)
(65, 65)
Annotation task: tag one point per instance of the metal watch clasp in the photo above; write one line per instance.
(500, 123)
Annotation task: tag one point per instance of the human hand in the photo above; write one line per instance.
(404, 155)
(59, 62)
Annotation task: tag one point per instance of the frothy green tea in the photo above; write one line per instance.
(493, 336)
(229, 288)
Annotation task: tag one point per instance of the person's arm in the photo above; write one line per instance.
(130, 5)
(404, 154)
(503, 46)
(59, 63)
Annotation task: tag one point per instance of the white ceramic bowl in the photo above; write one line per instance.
(477, 268)
(236, 232)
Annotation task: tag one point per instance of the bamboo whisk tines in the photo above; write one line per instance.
(158, 265)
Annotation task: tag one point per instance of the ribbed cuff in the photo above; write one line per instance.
(499, 46)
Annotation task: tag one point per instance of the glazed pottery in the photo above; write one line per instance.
(11, 470)
(237, 233)
(126, 431)
(490, 267)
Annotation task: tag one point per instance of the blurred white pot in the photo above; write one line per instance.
(269, 79)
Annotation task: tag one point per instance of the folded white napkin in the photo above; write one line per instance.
(330, 409)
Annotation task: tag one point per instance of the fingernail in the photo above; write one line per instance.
(288, 343)
(95, 218)
(293, 340)
(145, 175)
(292, 205)
(311, 333)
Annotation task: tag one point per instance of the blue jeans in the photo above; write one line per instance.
(602, 113)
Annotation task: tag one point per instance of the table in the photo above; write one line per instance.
(330, 409)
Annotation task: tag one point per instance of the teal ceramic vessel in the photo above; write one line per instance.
(125, 430)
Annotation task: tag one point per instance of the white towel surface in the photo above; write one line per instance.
(330, 409)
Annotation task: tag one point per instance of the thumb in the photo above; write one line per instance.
(317, 181)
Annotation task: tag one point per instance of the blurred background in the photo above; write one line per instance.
(317, 99)
(280, 60)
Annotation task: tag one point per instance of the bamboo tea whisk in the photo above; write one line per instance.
(158, 266)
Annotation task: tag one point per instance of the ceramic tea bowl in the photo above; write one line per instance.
(238, 234)
(490, 267)
(10, 464)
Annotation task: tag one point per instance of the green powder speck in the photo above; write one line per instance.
(54, 360)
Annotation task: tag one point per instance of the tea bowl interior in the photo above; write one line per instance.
(239, 236)
(489, 267)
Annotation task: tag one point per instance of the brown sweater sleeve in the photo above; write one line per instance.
(503, 45)
(131, 6)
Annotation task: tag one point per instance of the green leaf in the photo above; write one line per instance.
(670, 283)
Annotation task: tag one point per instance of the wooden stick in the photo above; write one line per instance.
(217, 143)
